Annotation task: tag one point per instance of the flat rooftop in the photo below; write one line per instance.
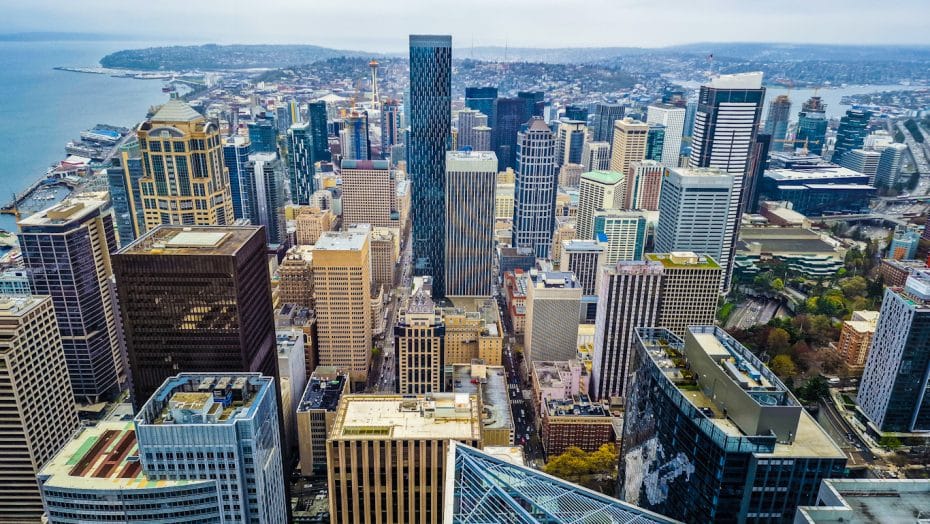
(603, 177)
(19, 305)
(576, 406)
(201, 398)
(352, 240)
(821, 172)
(683, 260)
(466, 379)
(72, 209)
(192, 240)
(549, 373)
(779, 240)
(870, 501)
(396, 417)
(323, 391)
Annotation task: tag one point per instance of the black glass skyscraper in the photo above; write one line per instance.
(316, 115)
(510, 114)
(604, 117)
(854, 127)
(482, 99)
(535, 102)
(430, 138)
(264, 136)
(300, 163)
(576, 113)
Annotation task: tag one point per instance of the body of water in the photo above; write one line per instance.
(41, 109)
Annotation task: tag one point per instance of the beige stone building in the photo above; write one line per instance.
(295, 277)
(419, 335)
(473, 330)
(504, 201)
(311, 222)
(564, 230)
(690, 290)
(369, 194)
(385, 252)
(629, 144)
(855, 338)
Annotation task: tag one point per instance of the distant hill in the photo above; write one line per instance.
(216, 57)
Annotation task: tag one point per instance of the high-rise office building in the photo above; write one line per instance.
(295, 277)
(268, 194)
(184, 179)
(863, 161)
(595, 156)
(39, 411)
(483, 99)
(604, 117)
(176, 287)
(597, 190)
(430, 127)
(390, 127)
(236, 151)
(482, 138)
(300, 163)
(369, 193)
(776, 122)
(889, 165)
(694, 208)
(644, 185)
(753, 454)
(576, 113)
(758, 163)
(629, 298)
(534, 101)
(583, 258)
(690, 112)
(629, 145)
(342, 293)
(317, 118)
(282, 118)
(690, 290)
(812, 126)
(673, 118)
(419, 336)
(316, 414)
(892, 392)
(354, 137)
(509, 115)
(725, 125)
(471, 180)
(468, 121)
(536, 182)
(624, 232)
(125, 193)
(655, 141)
(223, 427)
(66, 251)
(311, 222)
(851, 133)
(264, 135)
(402, 442)
(570, 142)
(553, 303)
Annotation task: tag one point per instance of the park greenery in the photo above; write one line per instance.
(595, 470)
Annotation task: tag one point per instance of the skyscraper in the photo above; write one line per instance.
(812, 126)
(268, 194)
(355, 139)
(894, 384)
(184, 179)
(509, 115)
(482, 138)
(342, 292)
(889, 165)
(471, 179)
(430, 127)
(724, 129)
(604, 117)
(390, 127)
(597, 190)
(673, 118)
(629, 297)
(629, 145)
(468, 120)
(854, 127)
(655, 142)
(300, 163)
(693, 211)
(419, 335)
(624, 232)
(644, 185)
(595, 156)
(576, 113)
(66, 251)
(482, 99)
(536, 182)
(125, 194)
(236, 151)
(177, 288)
(690, 290)
(369, 193)
(553, 304)
(534, 101)
(758, 163)
(863, 161)
(583, 258)
(316, 117)
(570, 144)
(264, 135)
(39, 411)
(776, 122)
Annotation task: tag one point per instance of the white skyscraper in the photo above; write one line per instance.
(471, 179)
(595, 156)
(570, 142)
(673, 118)
(553, 302)
(623, 231)
(597, 190)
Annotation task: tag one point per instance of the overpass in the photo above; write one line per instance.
(861, 217)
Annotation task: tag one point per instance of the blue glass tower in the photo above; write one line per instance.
(300, 163)
(576, 113)
(655, 141)
(509, 114)
(812, 125)
(854, 127)
(482, 99)
(236, 150)
(430, 138)
(264, 136)
(535, 102)
(316, 116)
(125, 195)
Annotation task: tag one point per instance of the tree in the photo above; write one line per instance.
(587, 469)
(822, 330)
(854, 287)
(815, 389)
(375, 351)
(778, 284)
(778, 340)
(890, 442)
(783, 366)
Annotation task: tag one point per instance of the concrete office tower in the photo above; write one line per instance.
(292, 368)
(175, 288)
(125, 194)
(564, 230)
(570, 142)
(369, 193)
(66, 252)
(300, 164)
(862, 161)
(851, 133)
(629, 297)
(316, 414)
(311, 223)
(504, 201)
(295, 277)
(482, 138)
(690, 290)
(236, 151)
(390, 127)
(583, 258)
(604, 117)
(812, 126)
(776, 122)
(595, 156)
(385, 255)
(644, 185)
(39, 411)
(553, 302)
(342, 293)
(624, 233)
(570, 175)
(536, 180)
(896, 373)
(629, 145)
(430, 128)
(724, 130)
(355, 141)
(184, 179)
(402, 442)
(316, 117)
(754, 457)
(673, 118)
(419, 335)
(889, 165)
(694, 213)
(597, 190)
(222, 426)
(268, 195)
(468, 120)
(471, 179)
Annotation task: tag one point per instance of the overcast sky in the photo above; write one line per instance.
(383, 25)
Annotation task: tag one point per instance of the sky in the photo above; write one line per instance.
(383, 25)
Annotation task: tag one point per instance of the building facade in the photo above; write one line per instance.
(597, 190)
(595, 156)
(369, 193)
(624, 232)
(471, 180)
(301, 163)
(420, 334)
(268, 195)
(629, 144)
(536, 183)
(673, 118)
(316, 414)
(553, 303)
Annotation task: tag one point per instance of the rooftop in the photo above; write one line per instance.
(19, 305)
(396, 417)
(352, 240)
(821, 172)
(324, 389)
(555, 279)
(577, 244)
(683, 260)
(71, 210)
(176, 110)
(869, 501)
(576, 406)
(495, 398)
(551, 373)
(603, 177)
(201, 398)
(366, 164)
(192, 240)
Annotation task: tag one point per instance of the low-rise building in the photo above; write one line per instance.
(556, 380)
(894, 273)
(855, 338)
(574, 421)
(316, 413)
(515, 297)
(489, 385)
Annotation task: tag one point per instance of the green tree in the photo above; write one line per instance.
(890, 442)
(778, 340)
(822, 330)
(783, 366)
(588, 469)
(375, 351)
(854, 287)
(815, 389)
(778, 284)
